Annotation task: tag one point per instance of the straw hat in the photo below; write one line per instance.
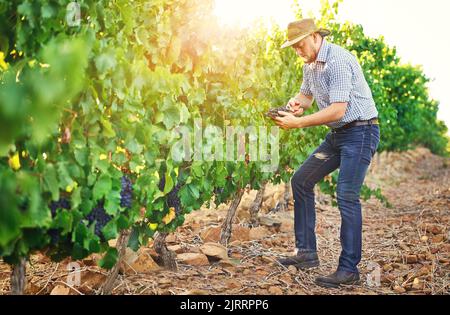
(300, 29)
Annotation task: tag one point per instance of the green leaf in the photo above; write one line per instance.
(169, 183)
(197, 170)
(221, 174)
(25, 9)
(112, 202)
(81, 156)
(47, 11)
(133, 146)
(174, 50)
(108, 130)
(110, 230)
(194, 191)
(103, 165)
(63, 220)
(78, 252)
(51, 181)
(35, 238)
(122, 222)
(133, 242)
(63, 174)
(80, 234)
(157, 195)
(94, 246)
(102, 187)
(171, 117)
(86, 206)
(109, 260)
(105, 61)
(186, 197)
(9, 224)
(76, 198)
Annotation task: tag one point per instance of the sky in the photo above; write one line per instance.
(417, 28)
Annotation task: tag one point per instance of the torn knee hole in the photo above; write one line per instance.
(321, 156)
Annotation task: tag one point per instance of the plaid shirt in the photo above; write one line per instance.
(337, 77)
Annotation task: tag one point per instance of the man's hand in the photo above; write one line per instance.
(295, 107)
(287, 121)
(294, 102)
(297, 111)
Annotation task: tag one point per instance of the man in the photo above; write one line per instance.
(333, 77)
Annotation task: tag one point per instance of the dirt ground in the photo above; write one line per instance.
(406, 248)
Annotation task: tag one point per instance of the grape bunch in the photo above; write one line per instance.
(23, 206)
(62, 203)
(173, 201)
(126, 194)
(54, 236)
(162, 183)
(100, 217)
(273, 112)
(219, 190)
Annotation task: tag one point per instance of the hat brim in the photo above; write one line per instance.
(289, 43)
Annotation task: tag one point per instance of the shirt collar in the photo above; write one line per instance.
(323, 52)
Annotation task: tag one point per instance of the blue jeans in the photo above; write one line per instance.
(351, 151)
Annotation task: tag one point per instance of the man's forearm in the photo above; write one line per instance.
(333, 113)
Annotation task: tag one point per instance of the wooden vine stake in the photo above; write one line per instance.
(121, 246)
(168, 257)
(228, 223)
(18, 277)
(256, 206)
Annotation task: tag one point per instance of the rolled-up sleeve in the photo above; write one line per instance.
(340, 81)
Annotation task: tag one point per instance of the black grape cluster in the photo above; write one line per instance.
(62, 203)
(173, 201)
(24, 205)
(54, 236)
(100, 217)
(219, 190)
(273, 112)
(126, 194)
(162, 183)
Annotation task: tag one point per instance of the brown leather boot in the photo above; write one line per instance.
(302, 260)
(336, 279)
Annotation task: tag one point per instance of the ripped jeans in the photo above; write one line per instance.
(351, 151)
